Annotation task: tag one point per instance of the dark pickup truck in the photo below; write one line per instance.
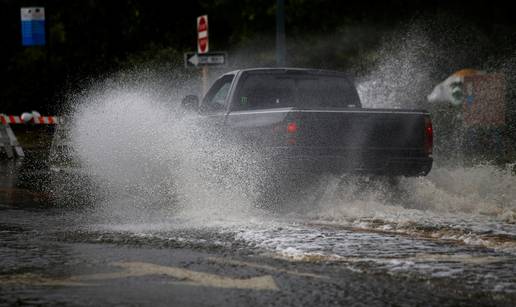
(313, 120)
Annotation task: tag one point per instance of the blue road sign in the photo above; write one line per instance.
(33, 26)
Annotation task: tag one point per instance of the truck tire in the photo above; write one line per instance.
(289, 191)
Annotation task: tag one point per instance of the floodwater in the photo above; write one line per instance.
(474, 247)
(454, 230)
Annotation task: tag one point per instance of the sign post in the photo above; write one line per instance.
(202, 58)
(203, 47)
(33, 26)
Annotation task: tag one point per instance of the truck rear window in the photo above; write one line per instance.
(302, 90)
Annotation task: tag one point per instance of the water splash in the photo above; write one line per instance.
(150, 161)
(403, 72)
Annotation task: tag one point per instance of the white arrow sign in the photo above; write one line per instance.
(212, 59)
(194, 60)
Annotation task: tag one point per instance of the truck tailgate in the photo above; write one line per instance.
(360, 130)
(373, 141)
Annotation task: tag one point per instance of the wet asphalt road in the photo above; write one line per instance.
(43, 263)
(46, 259)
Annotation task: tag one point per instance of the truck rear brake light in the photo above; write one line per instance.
(429, 136)
(292, 127)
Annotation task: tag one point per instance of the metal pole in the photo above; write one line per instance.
(204, 79)
(280, 33)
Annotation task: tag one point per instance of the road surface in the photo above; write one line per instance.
(117, 253)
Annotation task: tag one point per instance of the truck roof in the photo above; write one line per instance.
(286, 69)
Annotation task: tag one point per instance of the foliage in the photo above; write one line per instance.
(88, 38)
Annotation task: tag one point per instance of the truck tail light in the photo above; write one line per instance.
(292, 127)
(429, 136)
(292, 130)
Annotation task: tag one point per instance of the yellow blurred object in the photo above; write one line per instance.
(467, 72)
(451, 89)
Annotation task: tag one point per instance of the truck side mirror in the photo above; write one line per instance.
(190, 102)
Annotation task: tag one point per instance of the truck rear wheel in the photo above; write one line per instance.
(290, 191)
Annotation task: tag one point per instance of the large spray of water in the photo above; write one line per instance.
(152, 162)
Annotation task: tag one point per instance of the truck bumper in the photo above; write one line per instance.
(379, 162)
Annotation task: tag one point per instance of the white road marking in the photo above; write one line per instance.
(37, 280)
(136, 269)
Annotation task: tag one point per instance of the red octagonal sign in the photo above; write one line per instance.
(202, 34)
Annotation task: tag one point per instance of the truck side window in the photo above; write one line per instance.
(216, 99)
